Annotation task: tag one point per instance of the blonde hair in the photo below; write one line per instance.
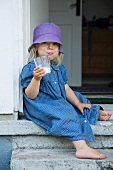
(33, 53)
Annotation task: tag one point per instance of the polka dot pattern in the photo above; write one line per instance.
(52, 111)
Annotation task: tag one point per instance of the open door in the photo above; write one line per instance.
(67, 14)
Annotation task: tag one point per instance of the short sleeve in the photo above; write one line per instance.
(64, 73)
(26, 74)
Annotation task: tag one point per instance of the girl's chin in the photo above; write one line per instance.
(50, 57)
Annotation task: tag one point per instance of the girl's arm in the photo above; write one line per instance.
(71, 97)
(32, 89)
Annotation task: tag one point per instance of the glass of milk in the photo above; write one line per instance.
(43, 61)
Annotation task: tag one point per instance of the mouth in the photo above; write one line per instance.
(50, 53)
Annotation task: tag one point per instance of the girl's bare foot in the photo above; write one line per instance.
(89, 153)
(104, 115)
(83, 151)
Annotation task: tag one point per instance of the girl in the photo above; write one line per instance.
(50, 102)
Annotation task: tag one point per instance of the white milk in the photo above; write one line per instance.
(47, 69)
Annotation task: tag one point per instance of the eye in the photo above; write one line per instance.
(55, 43)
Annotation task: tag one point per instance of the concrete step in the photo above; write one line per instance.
(58, 160)
(8, 116)
(49, 142)
(25, 127)
(33, 149)
(26, 134)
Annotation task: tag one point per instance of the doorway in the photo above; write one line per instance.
(96, 61)
(79, 74)
(97, 45)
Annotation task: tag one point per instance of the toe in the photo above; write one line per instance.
(102, 156)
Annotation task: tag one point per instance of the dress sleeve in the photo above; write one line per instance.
(64, 73)
(26, 75)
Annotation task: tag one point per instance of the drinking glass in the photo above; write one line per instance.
(43, 61)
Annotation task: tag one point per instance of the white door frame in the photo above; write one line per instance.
(25, 43)
(18, 50)
(21, 18)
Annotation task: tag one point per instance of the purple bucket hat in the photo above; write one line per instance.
(47, 32)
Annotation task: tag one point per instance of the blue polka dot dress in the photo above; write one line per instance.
(52, 111)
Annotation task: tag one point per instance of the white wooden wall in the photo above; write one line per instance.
(11, 54)
(17, 18)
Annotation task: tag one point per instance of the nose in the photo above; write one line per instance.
(50, 45)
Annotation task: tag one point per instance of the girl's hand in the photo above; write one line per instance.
(81, 107)
(39, 72)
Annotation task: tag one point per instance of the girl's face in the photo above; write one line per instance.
(48, 48)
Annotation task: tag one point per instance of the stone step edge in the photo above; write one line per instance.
(51, 142)
(22, 152)
(25, 127)
(109, 96)
(41, 159)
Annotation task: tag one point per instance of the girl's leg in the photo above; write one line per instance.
(83, 151)
(104, 115)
